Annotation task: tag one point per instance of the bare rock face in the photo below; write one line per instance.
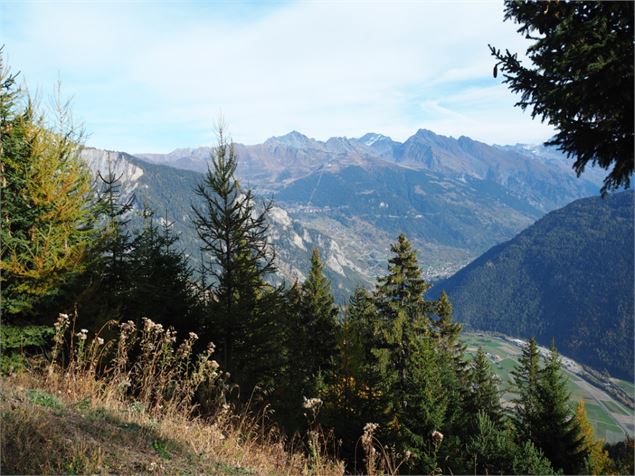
(105, 161)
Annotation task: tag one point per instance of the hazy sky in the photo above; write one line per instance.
(154, 76)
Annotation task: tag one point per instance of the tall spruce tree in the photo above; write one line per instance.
(161, 284)
(484, 395)
(318, 319)
(454, 370)
(234, 238)
(114, 280)
(558, 432)
(46, 194)
(525, 380)
(312, 329)
(352, 395)
(409, 360)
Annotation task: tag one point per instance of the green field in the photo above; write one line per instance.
(611, 420)
(615, 408)
(628, 387)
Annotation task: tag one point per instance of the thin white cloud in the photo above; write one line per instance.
(327, 68)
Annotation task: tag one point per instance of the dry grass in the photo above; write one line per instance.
(104, 411)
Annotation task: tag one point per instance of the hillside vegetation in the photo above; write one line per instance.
(568, 277)
(137, 417)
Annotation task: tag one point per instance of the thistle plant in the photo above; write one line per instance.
(60, 326)
(162, 378)
(380, 459)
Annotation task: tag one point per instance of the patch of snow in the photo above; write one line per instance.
(371, 139)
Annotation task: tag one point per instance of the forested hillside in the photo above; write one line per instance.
(569, 277)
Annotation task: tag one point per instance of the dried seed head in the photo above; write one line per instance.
(437, 437)
(311, 403)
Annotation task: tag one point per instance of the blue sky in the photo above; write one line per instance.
(154, 76)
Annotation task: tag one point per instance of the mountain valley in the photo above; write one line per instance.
(454, 198)
(350, 198)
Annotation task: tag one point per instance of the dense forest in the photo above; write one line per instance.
(568, 276)
(387, 373)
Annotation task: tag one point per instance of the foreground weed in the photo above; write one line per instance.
(130, 400)
(44, 399)
(160, 446)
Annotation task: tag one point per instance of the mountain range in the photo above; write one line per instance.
(454, 198)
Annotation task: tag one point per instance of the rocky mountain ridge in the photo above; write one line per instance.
(454, 198)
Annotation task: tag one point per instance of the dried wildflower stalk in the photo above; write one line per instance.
(163, 378)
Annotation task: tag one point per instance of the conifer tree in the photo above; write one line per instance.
(358, 336)
(558, 434)
(447, 330)
(525, 379)
(454, 370)
(483, 395)
(403, 287)
(491, 449)
(579, 79)
(408, 359)
(312, 329)
(114, 277)
(352, 397)
(318, 319)
(46, 194)
(161, 279)
(234, 238)
(403, 313)
(598, 461)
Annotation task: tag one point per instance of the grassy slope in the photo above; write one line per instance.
(48, 431)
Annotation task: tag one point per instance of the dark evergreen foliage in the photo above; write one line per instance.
(491, 449)
(557, 432)
(111, 278)
(568, 276)
(525, 381)
(161, 280)
(483, 393)
(352, 397)
(408, 361)
(581, 79)
(318, 315)
(238, 258)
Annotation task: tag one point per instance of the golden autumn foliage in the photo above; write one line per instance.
(598, 461)
(46, 189)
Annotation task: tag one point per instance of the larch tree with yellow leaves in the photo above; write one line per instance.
(46, 194)
(598, 460)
